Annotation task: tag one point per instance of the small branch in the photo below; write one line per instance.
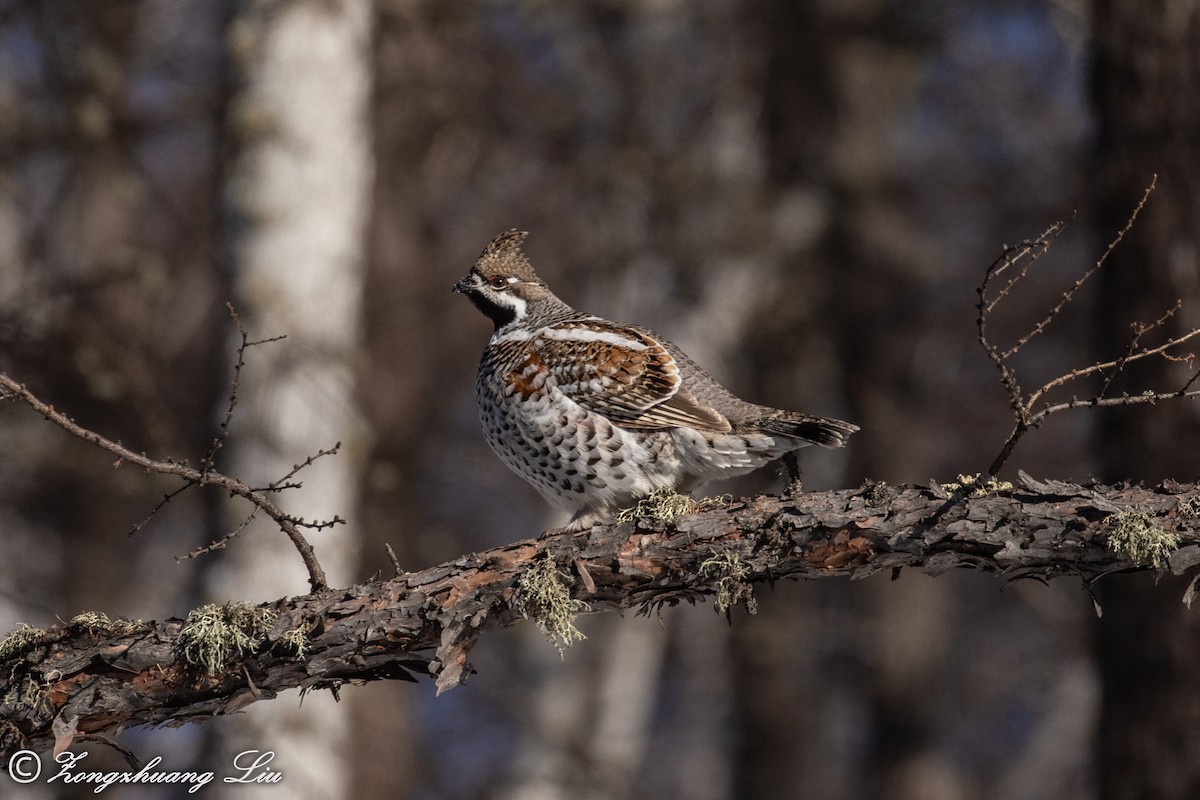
(220, 544)
(395, 561)
(316, 575)
(1116, 365)
(210, 458)
(283, 482)
(1070, 293)
(167, 498)
(1124, 400)
(1022, 404)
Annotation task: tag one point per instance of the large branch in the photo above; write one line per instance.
(93, 676)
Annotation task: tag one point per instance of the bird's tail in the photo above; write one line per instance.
(824, 431)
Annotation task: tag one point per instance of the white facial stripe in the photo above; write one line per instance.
(507, 300)
(502, 335)
(513, 279)
(589, 335)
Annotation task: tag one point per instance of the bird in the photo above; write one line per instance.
(596, 414)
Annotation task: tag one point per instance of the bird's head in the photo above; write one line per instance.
(502, 284)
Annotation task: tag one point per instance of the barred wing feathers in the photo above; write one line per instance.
(623, 373)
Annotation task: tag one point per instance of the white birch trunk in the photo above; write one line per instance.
(301, 193)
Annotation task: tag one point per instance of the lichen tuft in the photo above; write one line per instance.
(665, 505)
(213, 636)
(21, 640)
(93, 621)
(298, 639)
(1133, 536)
(730, 574)
(975, 486)
(1190, 507)
(543, 595)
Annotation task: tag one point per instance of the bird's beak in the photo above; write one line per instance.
(464, 286)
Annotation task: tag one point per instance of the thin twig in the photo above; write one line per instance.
(1123, 400)
(281, 483)
(395, 561)
(168, 497)
(316, 575)
(1034, 249)
(209, 460)
(1024, 417)
(1069, 294)
(1107, 365)
(220, 544)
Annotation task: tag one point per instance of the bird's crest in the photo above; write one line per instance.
(503, 256)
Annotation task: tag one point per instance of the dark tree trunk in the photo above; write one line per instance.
(1146, 91)
(836, 84)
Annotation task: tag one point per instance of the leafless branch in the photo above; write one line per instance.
(220, 544)
(167, 498)
(1026, 414)
(207, 475)
(210, 458)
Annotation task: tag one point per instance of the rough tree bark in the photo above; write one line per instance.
(93, 676)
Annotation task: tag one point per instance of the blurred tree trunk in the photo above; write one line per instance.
(1146, 92)
(108, 297)
(838, 83)
(300, 193)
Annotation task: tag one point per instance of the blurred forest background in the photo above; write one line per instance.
(803, 194)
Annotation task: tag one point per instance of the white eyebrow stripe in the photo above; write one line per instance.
(589, 335)
(513, 279)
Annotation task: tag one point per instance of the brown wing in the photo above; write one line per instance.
(624, 374)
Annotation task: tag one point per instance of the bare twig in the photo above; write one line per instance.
(1069, 294)
(395, 561)
(285, 522)
(207, 475)
(167, 498)
(282, 483)
(1023, 404)
(209, 460)
(220, 544)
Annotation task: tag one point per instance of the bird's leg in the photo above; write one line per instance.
(792, 464)
(582, 520)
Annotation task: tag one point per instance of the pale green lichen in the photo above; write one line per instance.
(213, 636)
(297, 639)
(28, 692)
(1190, 507)
(21, 640)
(730, 574)
(1133, 536)
(24, 687)
(544, 596)
(975, 486)
(93, 621)
(665, 505)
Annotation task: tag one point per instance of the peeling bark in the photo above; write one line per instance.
(102, 678)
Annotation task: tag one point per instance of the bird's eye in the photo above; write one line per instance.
(498, 282)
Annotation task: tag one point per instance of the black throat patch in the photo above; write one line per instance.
(498, 314)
